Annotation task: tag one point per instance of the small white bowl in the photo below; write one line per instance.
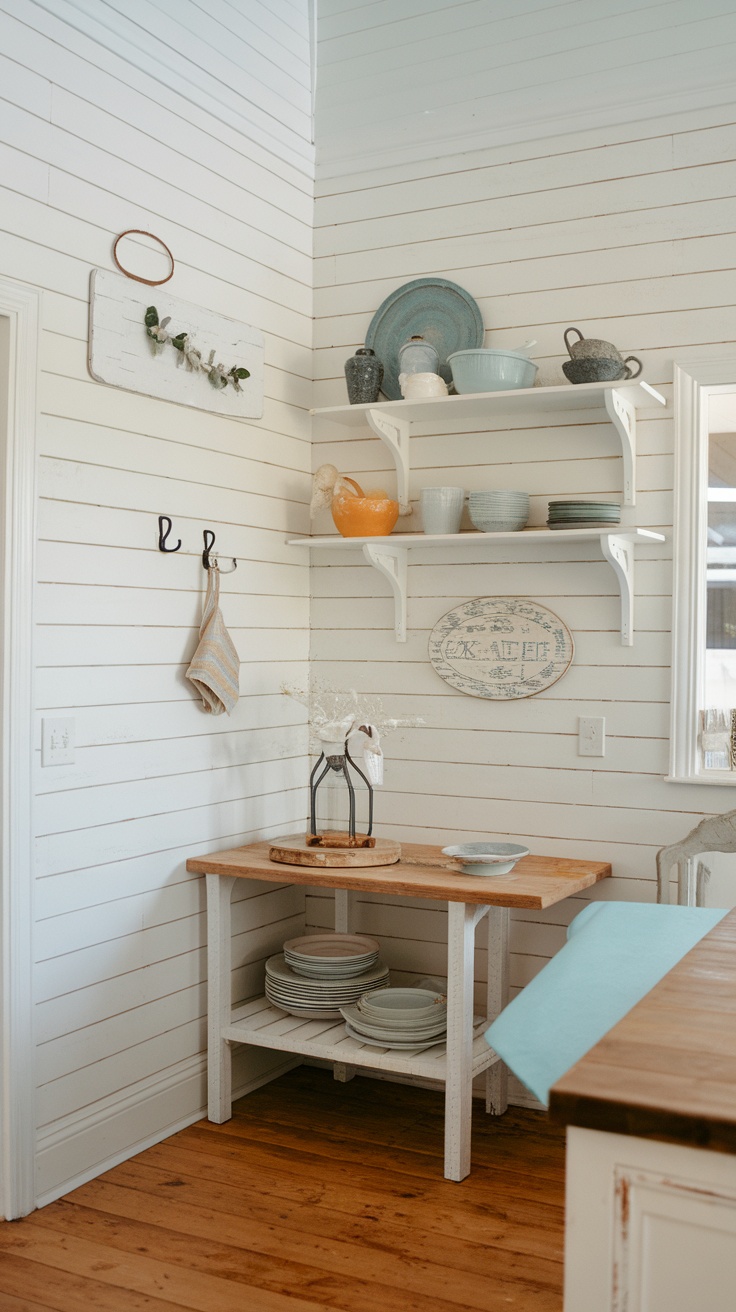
(486, 858)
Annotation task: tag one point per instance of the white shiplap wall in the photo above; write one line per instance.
(133, 115)
(400, 78)
(629, 234)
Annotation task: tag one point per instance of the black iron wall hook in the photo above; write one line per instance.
(207, 533)
(207, 560)
(163, 534)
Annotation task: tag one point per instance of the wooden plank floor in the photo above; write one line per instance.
(315, 1196)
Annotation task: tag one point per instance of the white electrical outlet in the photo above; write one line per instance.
(591, 736)
(58, 740)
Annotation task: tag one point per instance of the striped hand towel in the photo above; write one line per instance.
(215, 667)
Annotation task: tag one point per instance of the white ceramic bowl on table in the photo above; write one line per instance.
(486, 858)
(485, 369)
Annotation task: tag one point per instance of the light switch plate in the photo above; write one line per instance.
(591, 736)
(58, 740)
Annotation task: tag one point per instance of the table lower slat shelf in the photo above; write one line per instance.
(265, 1026)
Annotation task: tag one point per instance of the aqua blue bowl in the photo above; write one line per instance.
(487, 370)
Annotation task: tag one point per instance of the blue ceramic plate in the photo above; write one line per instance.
(438, 310)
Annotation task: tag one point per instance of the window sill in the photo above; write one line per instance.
(726, 779)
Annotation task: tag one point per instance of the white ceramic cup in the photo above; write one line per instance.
(418, 387)
(442, 509)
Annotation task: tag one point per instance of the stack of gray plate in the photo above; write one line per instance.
(583, 514)
(409, 1020)
(317, 999)
(499, 511)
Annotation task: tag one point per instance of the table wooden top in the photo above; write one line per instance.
(535, 882)
(667, 1070)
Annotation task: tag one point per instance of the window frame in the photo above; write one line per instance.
(694, 381)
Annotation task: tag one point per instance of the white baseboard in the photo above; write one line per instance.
(117, 1128)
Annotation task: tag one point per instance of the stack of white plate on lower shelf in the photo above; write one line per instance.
(584, 514)
(323, 972)
(407, 1019)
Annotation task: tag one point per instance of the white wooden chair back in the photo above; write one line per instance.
(717, 833)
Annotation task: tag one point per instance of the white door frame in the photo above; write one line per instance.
(20, 306)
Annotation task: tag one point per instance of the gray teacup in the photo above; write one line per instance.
(600, 370)
(590, 347)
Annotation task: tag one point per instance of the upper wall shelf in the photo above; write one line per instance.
(392, 421)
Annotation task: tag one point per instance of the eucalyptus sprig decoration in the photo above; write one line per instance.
(189, 355)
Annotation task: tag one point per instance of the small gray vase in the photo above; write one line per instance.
(363, 375)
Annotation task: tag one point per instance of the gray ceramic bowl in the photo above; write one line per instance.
(486, 858)
(594, 370)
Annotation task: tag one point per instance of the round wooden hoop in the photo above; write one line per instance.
(150, 282)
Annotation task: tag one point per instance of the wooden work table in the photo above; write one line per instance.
(651, 1146)
(534, 883)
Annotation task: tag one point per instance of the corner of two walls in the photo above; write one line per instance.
(626, 234)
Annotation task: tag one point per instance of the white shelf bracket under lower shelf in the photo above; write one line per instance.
(620, 555)
(622, 414)
(392, 563)
(394, 433)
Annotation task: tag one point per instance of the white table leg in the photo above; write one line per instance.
(343, 925)
(461, 922)
(343, 910)
(497, 1076)
(219, 1005)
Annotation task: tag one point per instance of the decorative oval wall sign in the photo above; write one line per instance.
(500, 647)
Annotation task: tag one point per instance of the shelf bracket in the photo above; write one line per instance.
(620, 555)
(394, 433)
(622, 415)
(392, 563)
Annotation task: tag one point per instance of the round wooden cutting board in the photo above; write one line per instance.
(293, 851)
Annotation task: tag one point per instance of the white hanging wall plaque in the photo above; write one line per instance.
(500, 647)
(122, 354)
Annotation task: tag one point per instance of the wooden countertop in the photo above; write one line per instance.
(668, 1069)
(535, 882)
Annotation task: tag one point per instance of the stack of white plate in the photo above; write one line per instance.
(331, 955)
(406, 1019)
(317, 999)
(499, 511)
(583, 514)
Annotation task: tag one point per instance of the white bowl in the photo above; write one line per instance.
(486, 858)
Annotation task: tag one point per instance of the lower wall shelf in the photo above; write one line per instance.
(390, 555)
(257, 1022)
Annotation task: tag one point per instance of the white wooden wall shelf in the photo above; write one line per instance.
(390, 556)
(393, 421)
